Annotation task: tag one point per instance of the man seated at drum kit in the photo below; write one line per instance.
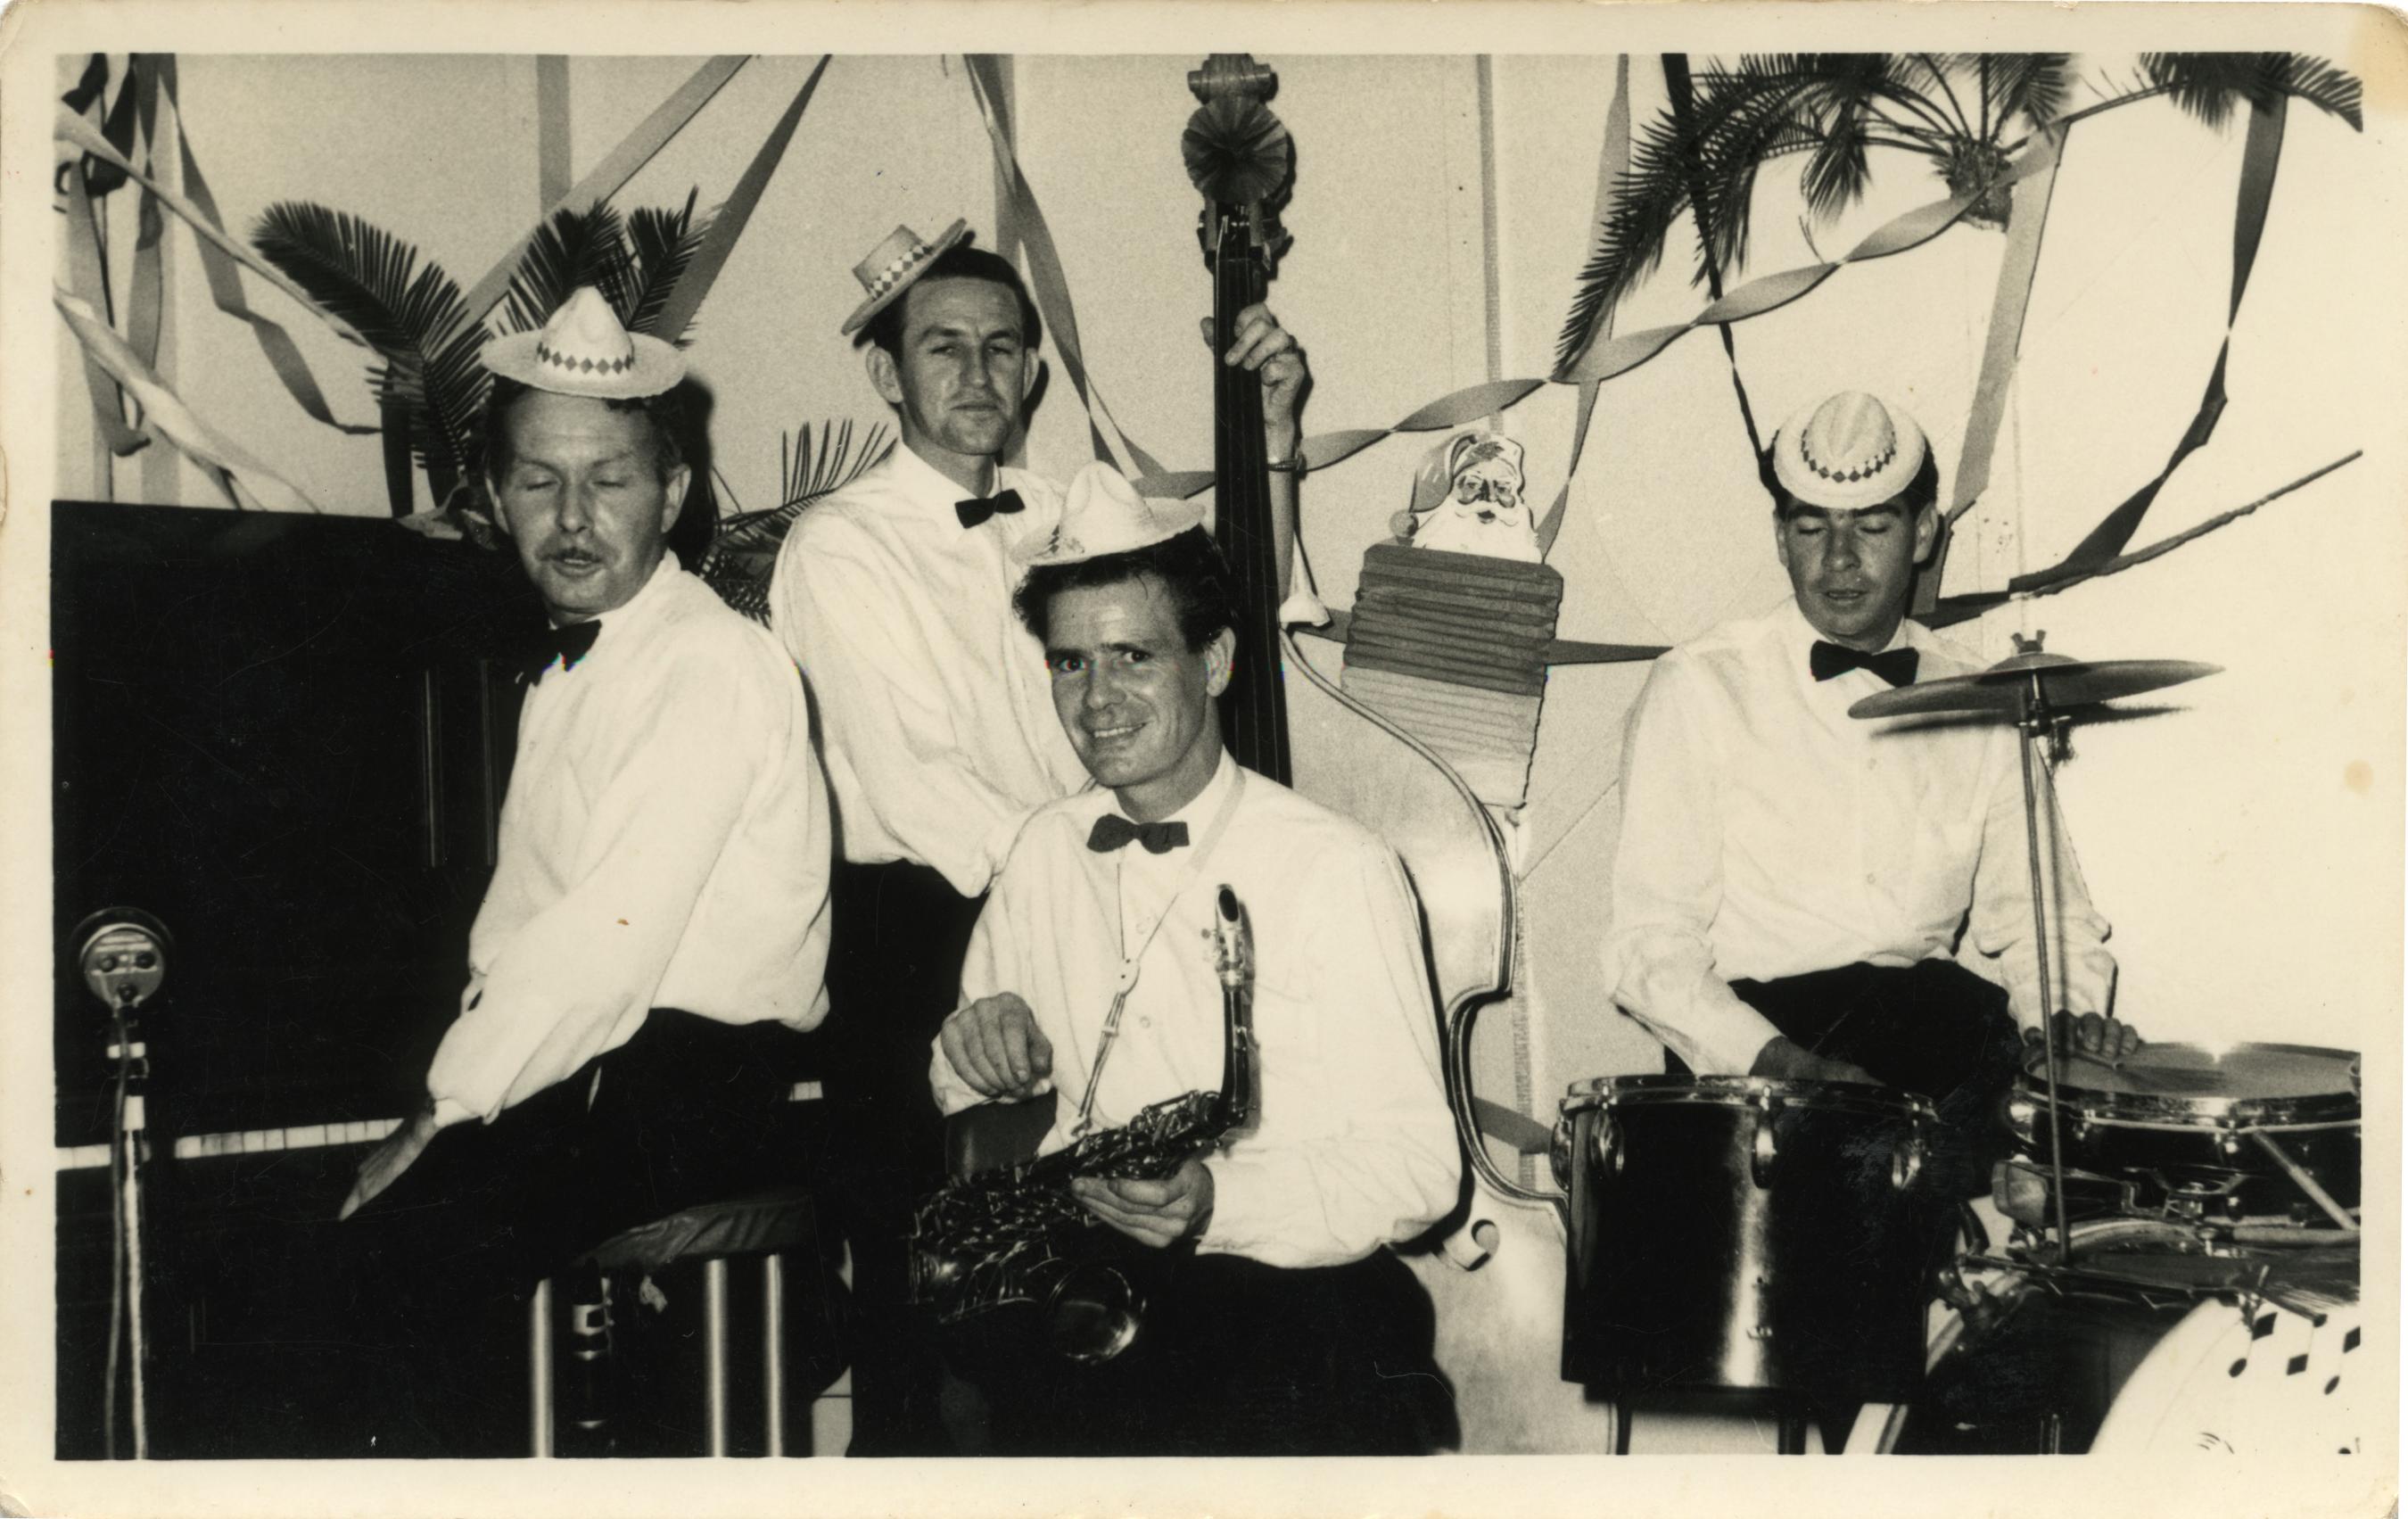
(1276, 1322)
(1792, 881)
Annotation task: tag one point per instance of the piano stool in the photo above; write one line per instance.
(750, 1234)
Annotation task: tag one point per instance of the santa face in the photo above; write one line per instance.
(1485, 515)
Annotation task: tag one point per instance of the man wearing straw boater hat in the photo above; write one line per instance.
(1278, 1324)
(1791, 881)
(657, 917)
(895, 596)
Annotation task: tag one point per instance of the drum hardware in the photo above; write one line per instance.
(2306, 1182)
(2030, 686)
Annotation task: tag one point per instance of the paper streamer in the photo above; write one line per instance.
(728, 223)
(1614, 357)
(87, 278)
(76, 131)
(1964, 609)
(1049, 287)
(224, 273)
(611, 175)
(1771, 292)
(2259, 156)
(233, 469)
(146, 290)
(2027, 219)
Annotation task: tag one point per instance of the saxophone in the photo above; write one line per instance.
(1015, 1235)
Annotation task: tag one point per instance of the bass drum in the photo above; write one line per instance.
(2136, 1354)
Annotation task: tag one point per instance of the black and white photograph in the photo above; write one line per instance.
(1185, 759)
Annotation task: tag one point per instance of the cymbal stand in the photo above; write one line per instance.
(2040, 723)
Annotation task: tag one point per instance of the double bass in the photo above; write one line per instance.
(1495, 1268)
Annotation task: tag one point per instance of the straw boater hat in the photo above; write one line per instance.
(892, 264)
(582, 351)
(1101, 514)
(1847, 453)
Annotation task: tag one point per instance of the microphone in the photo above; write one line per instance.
(122, 952)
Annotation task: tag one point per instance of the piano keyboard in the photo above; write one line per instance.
(260, 1141)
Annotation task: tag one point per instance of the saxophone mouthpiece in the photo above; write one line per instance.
(1233, 948)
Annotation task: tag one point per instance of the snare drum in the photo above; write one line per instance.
(2178, 1123)
(1731, 1232)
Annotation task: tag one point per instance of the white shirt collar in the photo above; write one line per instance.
(644, 603)
(1202, 807)
(930, 488)
(1805, 635)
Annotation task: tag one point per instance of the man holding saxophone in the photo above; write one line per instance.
(1279, 1325)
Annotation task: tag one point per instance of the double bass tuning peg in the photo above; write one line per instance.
(1232, 74)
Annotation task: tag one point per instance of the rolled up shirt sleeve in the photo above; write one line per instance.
(1378, 1162)
(578, 977)
(1667, 883)
(888, 726)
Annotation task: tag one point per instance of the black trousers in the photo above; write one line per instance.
(898, 934)
(1933, 1029)
(1237, 1358)
(442, 1264)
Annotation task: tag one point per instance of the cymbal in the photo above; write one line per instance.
(2066, 683)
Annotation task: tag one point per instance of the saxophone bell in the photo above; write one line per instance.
(1094, 1313)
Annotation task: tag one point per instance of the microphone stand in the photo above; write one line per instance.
(127, 1138)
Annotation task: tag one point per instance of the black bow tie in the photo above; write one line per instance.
(1113, 831)
(565, 644)
(1829, 660)
(978, 509)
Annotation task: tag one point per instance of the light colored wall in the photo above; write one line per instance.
(2245, 841)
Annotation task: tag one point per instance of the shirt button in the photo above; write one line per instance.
(1144, 1022)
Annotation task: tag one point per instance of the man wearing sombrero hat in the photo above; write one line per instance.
(1277, 1322)
(1790, 882)
(658, 907)
(893, 596)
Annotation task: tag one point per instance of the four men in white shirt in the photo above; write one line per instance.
(1789, 888)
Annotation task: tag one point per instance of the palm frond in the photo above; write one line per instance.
(1649, 198)
(664, 242)
(807, 474)
(743, 553)
(2030, 85)
(1835, 176)
(573, 249)
(2208, 85)
(413, 316)
(1733, 146)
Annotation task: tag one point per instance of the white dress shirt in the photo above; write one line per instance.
(1354, 1146)
(936, 712)
(664, 843)
(1767, 833)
